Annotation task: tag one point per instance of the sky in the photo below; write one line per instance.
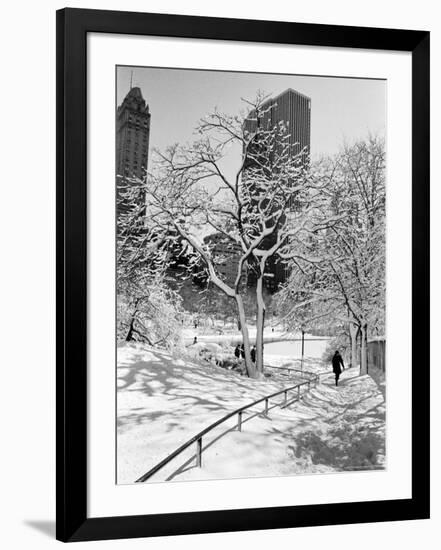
(342, 109)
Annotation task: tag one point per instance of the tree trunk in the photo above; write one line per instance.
(364, 360)
(260, 323)
(249, 365)
(129, 336)
(353, 332)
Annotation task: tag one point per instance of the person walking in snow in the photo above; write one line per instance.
(253, 354)
(337, 364)
(237, 353)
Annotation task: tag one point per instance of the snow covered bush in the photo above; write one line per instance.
(153, 316)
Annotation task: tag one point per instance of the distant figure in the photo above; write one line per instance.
(242, 351)
(237, 352)
(253, 354)
(195, 341)
(337, 363)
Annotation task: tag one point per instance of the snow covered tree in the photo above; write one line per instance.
(359, 245)
(347, 283)
(260, 208)
(148, 310)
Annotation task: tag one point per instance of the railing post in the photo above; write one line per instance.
(266, 406)
(286, 397)
(309, 385)
(199, 453)
(298, 393)
(239, 421)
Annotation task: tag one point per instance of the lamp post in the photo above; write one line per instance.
(303, 348)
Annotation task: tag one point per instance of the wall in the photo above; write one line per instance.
(27, 274)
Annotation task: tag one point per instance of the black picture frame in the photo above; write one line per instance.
(73, 25)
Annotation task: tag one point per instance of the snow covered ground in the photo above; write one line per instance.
(234, 336)
(163, 401)
(329, 430)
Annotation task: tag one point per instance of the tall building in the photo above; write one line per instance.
(132, 138)
(294, 110)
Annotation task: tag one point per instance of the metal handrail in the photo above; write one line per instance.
(198, 437)
(290, 369)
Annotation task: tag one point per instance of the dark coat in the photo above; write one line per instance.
(253, 355)
(337, 363)
(237, 352)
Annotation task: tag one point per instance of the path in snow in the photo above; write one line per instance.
(162, 402)
(331, 429)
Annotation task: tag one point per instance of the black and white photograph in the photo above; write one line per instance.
(220, 293)
(250, 267)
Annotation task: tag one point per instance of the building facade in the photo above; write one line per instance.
(132, 135)
(226, 255)
(294, 110)
(132, 139)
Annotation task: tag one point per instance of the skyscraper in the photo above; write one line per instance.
(132, 135)
(132, 138)
(294, 110)
(291, 108)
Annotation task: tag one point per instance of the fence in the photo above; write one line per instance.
(376, 350)
(313, 379)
